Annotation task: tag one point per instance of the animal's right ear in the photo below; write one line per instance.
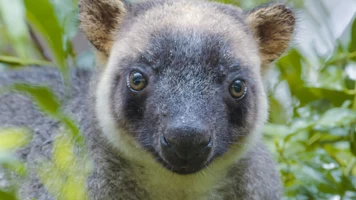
(100, 20)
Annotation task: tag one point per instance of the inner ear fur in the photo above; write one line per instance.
(272, 25)
(100, 20)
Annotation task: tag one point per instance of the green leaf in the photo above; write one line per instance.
(63, 152)
(352, 44)
(67, 15)
(278, 111)
(290, 66)
(47, 101)
(43, 97)
(7, 196)
(233, 2)
(14, 61)
(276, 130)
(44, 20)
(9, 161)
(69, 167)
(13, 138)
(353, 140)
(47, 172)
(73, 128)
(338, 117)
(307, 94)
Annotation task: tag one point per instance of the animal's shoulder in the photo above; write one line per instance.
(256, 169)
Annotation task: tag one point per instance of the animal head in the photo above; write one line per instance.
(181, 82)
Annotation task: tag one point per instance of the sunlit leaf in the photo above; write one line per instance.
(63, 152)
(74, 189)
(13, 138)
(276, 130)
(51, 177)
(338, 117)
(351, 71)
(65, 177)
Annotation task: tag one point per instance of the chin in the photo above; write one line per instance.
(186, 168)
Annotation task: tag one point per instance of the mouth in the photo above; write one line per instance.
(184, 169)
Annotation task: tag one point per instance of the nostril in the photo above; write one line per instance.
(164, 141)
(207, 143)
(210, 144)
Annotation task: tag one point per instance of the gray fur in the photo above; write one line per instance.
(189, 66)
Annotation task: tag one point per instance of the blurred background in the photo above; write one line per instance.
(312, 91)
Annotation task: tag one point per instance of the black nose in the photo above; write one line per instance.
(186, 146)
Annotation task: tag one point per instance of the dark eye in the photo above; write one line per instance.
(238, 89)
(137, 81)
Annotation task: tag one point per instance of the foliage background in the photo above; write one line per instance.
(312, 128)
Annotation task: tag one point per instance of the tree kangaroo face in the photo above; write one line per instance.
(183, 82)
(186, 97)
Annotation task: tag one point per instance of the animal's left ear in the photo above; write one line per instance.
(272, 26)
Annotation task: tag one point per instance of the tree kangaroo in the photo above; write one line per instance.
(177, 102)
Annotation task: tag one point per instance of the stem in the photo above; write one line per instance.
(350, 167)
(341, 139)
(23, 62)
(354, 104)
(38, 44)
(345, 57)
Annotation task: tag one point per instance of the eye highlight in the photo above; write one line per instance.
(137, 81)
(238, 89)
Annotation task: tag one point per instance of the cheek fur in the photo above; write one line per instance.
(242, 114)
(138, 114)
(133, 107)
(128, 106)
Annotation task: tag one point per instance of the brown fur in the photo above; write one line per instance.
(273, 27)
(100, 27)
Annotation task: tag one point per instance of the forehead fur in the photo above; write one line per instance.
(188, 17)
